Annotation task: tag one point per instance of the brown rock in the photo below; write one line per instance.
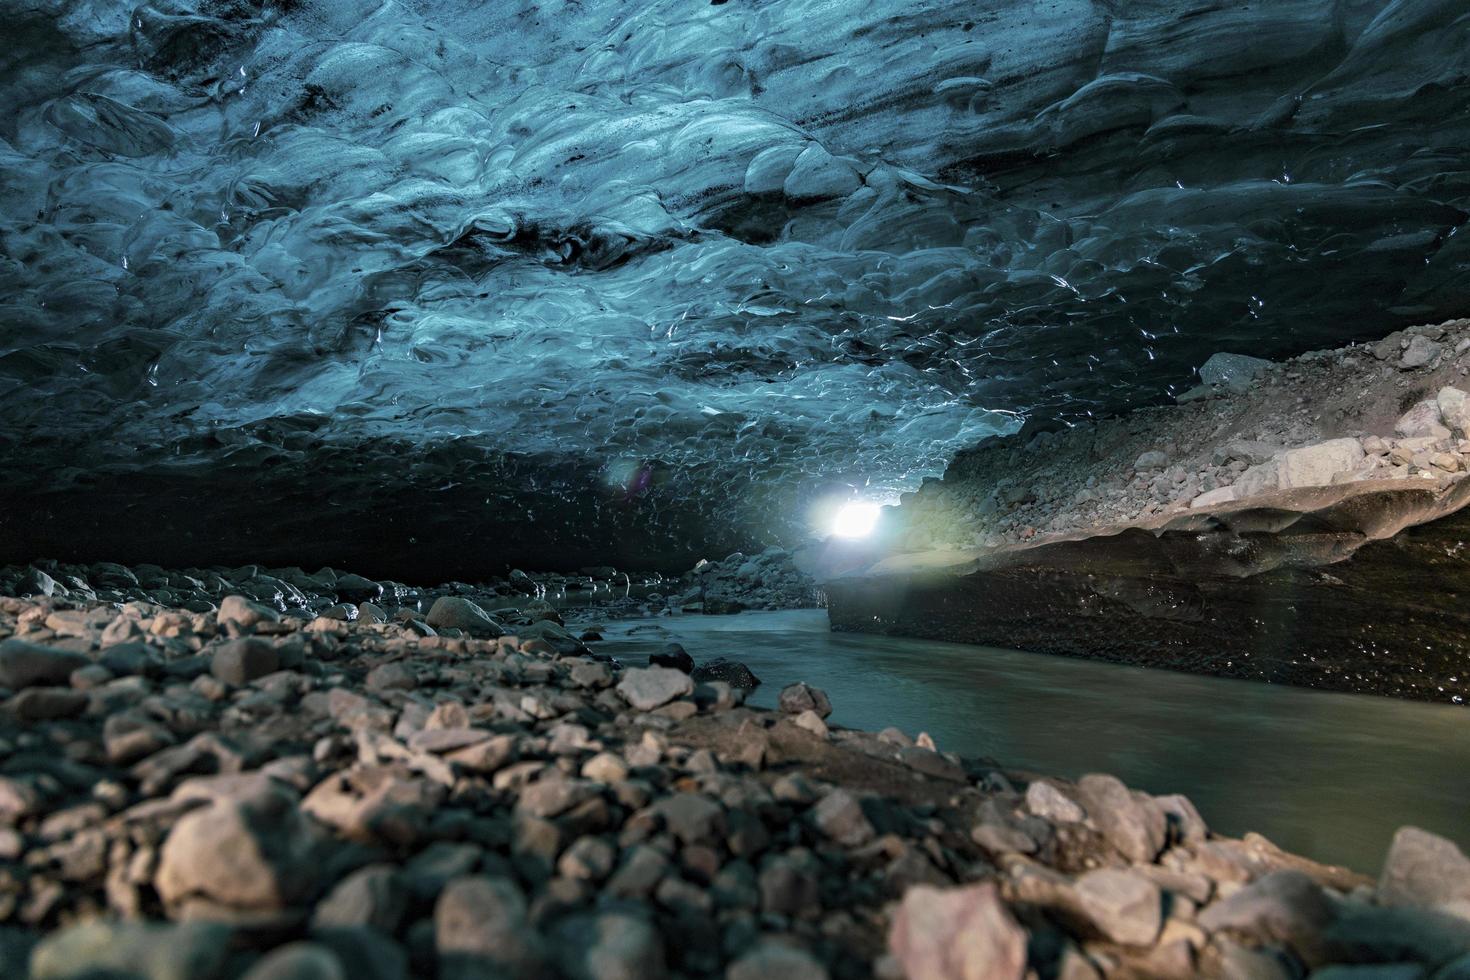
(949, 934)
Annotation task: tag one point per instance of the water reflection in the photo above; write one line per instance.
(1327, 775)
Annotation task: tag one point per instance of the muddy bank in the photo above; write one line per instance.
(234, 792)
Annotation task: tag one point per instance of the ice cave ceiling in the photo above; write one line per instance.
(448, 277)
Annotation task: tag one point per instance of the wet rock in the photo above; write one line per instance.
(481, 929)
(674, 657)
(737, 675)
(799, 697)
(1233, 372)
(187, 951)
(243, 613)
(652, 687)
(1425, 870)
(244, 660)
(25, 664)
(356, 589)
(940, 934)
(456, 612)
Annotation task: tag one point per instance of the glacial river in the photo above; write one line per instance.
(1326, 775)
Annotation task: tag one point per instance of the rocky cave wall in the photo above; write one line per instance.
(448, 285)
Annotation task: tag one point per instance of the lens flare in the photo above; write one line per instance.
(855, 519)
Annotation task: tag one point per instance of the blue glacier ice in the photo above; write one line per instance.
(645, 279)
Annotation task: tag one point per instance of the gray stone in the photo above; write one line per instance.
(187, 951)
(256, 853)
(799, 697)
(943, 934)
(25, 664)
(1151, 460)
(456, 612)
(297, 961)
(481, 930)
(1131, 822)
(1261, 478)
(608, 946)
(1235, 372)
(35, 582)
(1315, 466)
(1046, 801)
(1454, 411)
(1424, 870)
(372, 896)
(1285, 907)
(243, 613)
(356, 589)
(1123, 905)
(1422, 421)
(1420, 353)
(776, 961)
(553, 797)
(395, 676)
(244, 660)
(693, 818)
(47, 703)
(651, 687)
(840, 817)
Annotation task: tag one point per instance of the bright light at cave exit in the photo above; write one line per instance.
(855, 519)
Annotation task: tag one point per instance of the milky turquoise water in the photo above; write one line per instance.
(1323, 774)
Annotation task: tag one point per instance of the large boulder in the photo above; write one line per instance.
(1316, 466)
(187, 951)
(244, 660)
(942, 934)
(1422, 421)
(1426, 871)
(251, 851)
(1132, 822)
(652, 687)
(1234, 372)
(608, 946)
(481, 930)
(25, 664)
(1454, 410)
(457, 612)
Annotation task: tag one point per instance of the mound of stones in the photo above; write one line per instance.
(233, 792)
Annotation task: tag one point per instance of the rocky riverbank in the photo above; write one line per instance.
(235, 792)
(1392, 410)
(1298, 523)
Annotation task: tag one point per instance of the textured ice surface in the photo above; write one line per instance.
(669, 268)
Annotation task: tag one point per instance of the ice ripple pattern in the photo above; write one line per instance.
(758, 246)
